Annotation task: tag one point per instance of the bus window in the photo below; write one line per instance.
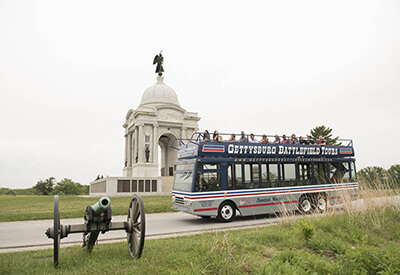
(288, 174)
(230, 175)
(305, 174)
(320, 174)
(208, 181)
(251, 176)
(269, 174)
(345, 171)
(235, 176)
(207, 166)
(183, 181)
(353, 171)
(334, 173)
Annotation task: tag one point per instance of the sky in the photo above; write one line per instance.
(71, 70)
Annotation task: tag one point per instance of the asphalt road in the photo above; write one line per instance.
(29, 235)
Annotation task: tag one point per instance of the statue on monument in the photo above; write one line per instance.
(159, 60)
(147, 152)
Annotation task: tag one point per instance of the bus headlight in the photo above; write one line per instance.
(173, 199)
(188, 203)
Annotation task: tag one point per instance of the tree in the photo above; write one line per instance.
(325, 132)
(394, 174)
(372, 176)
(44, 187)
(69, 187)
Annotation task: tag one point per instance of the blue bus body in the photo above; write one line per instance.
(220, 178)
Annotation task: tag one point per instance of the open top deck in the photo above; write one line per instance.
(196, 147)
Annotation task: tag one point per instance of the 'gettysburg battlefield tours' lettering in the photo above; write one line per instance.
(239, 149)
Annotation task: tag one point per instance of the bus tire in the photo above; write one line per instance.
(226, 212)
(305, 205)
(321, 203)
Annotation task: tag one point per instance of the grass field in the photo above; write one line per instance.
(366, 242)
(22, 208)
(350, 241)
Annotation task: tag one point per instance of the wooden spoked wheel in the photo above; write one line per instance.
(136, 227)
(57, 231)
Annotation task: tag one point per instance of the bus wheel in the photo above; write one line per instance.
(226, 212)
(321, 203)
(305, 205)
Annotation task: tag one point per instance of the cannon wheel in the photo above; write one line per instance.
(57, 232)
(136, 224)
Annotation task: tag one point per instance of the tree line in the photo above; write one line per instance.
(50, 187)
(378, 177)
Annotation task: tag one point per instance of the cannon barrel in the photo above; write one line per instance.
(101, 205)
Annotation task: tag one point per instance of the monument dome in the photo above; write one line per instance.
(159, 93)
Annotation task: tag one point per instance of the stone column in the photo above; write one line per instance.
(183, 132)
(155, 144)
(140, 147)
(134, 153)
(127, 150)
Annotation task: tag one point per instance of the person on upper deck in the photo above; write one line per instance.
(217, 137)
(309, 140)
(302, 140)
(284, 140)
(243, 138)
(232, 138)
(320, 141)
(206, 136)
(253, 139)
(277, 139)
(294, 140)
(264, 139)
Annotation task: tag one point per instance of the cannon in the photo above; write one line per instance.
(98, 219)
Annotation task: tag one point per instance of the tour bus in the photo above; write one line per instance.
(218, 179)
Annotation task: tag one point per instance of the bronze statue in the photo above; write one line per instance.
(147, 152)
(159, 59)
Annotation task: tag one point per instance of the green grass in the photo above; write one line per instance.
(22, 208)
(346, 243)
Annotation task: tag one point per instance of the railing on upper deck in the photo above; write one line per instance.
(198, 137)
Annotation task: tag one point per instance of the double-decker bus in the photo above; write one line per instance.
(222, 178)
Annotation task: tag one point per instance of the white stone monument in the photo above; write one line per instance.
(158, 120)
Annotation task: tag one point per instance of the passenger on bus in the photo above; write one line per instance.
(294, 140)
(302, 140)
(285, 140)
(264, 139)
(232, 138)
(243, 138)
(217, 137)
(309, 140)
(253, 139)
(320, 141)
(206, 136)
(277, 139)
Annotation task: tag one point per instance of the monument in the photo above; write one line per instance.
(158, 120)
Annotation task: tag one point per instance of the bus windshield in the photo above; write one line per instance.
(183, 181)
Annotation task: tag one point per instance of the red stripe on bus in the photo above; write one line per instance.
(266, 204)
(332, 198)
(205, 209)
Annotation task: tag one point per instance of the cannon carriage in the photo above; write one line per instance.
(97, 220)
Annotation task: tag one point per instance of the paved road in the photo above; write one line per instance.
(29, 235)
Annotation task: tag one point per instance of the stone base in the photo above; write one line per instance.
(126, 186)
